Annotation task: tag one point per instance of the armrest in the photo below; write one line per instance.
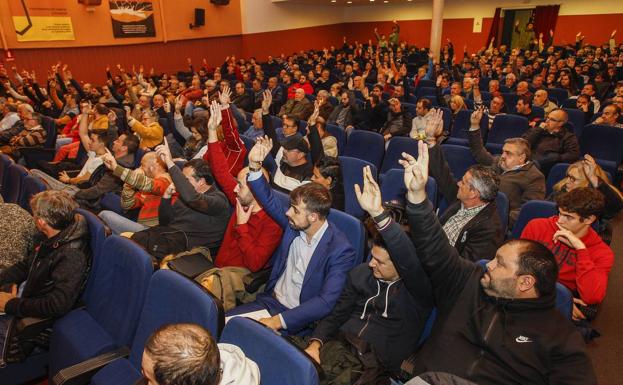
(253, 281)
(31, 327)
(81, 373)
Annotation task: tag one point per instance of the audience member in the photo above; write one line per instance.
(520, 179)
(183, 354)
(18, 234)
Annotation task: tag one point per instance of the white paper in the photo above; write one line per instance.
(256, 315)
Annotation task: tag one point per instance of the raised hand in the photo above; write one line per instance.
(590, 169)
(225, 96)
(266, 101)
(169, 191)
(109, 160)
(215, 116)
(476, 117)
(260, 150)
(164, 153)
(434, 124)
(416, 173)
(369, 197)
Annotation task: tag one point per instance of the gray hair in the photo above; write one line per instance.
(486, 181)
(523, 144)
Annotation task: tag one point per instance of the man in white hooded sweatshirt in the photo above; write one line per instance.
(188, 354)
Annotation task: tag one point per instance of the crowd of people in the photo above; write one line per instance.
(172, 147)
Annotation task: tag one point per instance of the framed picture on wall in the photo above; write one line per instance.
(132, 18)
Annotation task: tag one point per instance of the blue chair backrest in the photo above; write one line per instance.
(556, 174)
(569, 103)
(13, 183)
(447, 118)
(603, 142)
(507, 126)
(97, 232)
(426, 83)
(119, 288)
(396, 147)
(428, 327)
(248, 143)
(5, 162)
(503, 205)
(510, 100)
(409, 107)
(459, 159)
(426, 91)
(340, 136)
(279, 361)
(539, 111)
(393, 187)
(50, 128)
(365, 145)
(352, 229)
(163, 306)
(138, 156)
(564, 298)
(531, 210)
(112, 202)
(576, 120)
(558, 95)
(352, 174)
(31, 185)
(462, 123)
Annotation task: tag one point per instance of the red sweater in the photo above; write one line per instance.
(232, 147)
(582, 271)
(249, 245)
(307, 87)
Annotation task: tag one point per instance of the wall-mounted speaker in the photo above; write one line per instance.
(200, 18)
(220, 2)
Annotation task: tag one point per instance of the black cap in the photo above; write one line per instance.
(295, 142)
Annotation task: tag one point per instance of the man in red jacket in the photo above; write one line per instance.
(584, 259)
(251, 235)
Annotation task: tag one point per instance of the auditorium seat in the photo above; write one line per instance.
(340, 136)
(31, 185)
(393, 187)
(163, 306)
(13, 183)
(397, 145)
(365, 145)
(531, 210)
(459, 159)
(352, 174)
(279, 361)
(118, 285)
(504, 127)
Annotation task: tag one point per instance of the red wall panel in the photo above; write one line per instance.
(88, 63)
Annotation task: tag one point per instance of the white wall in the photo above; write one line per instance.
(474, 8)
(266, 15)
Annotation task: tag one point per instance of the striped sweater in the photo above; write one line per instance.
(142, 192)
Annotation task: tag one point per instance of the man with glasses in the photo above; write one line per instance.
(148, 129)
(520, 179)
(551, 142)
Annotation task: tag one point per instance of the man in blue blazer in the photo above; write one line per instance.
(314, 257)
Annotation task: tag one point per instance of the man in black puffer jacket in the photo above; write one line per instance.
(56, 273)
(497, 327)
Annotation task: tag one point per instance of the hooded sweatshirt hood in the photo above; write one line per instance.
(237, 368)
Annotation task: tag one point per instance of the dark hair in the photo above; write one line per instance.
(330, 167)
(537, 260)
(102, 136)
(486, 181)
(55, 207)
(101, 109)
(200, 123)
(317, 199)
(526, 100)
(201, 169)
(131, 142)
(184, 354)
(426, 103)
(584, 201)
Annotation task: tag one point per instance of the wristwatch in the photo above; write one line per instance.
(259, 168)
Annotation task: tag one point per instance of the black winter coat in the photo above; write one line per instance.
(55, 274)
(484, 339)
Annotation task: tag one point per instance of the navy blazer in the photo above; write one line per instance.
(326, 273)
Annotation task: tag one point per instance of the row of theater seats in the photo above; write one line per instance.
(124, 303)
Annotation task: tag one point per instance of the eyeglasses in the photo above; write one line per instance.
(554, 119)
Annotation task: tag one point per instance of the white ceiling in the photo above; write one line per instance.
(348, 2)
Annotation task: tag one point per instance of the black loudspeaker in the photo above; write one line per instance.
(200, 18)
(220, 2)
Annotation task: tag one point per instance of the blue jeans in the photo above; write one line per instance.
(119, 224)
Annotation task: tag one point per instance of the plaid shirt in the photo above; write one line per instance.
(455, 224)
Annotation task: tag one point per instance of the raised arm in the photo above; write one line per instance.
(476, 147)
(216, 157)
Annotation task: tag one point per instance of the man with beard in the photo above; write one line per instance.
(294, 298)
(520, 179)
(398, 121)
(251, 235)
(498, 326)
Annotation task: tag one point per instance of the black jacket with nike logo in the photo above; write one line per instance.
(480, 338)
